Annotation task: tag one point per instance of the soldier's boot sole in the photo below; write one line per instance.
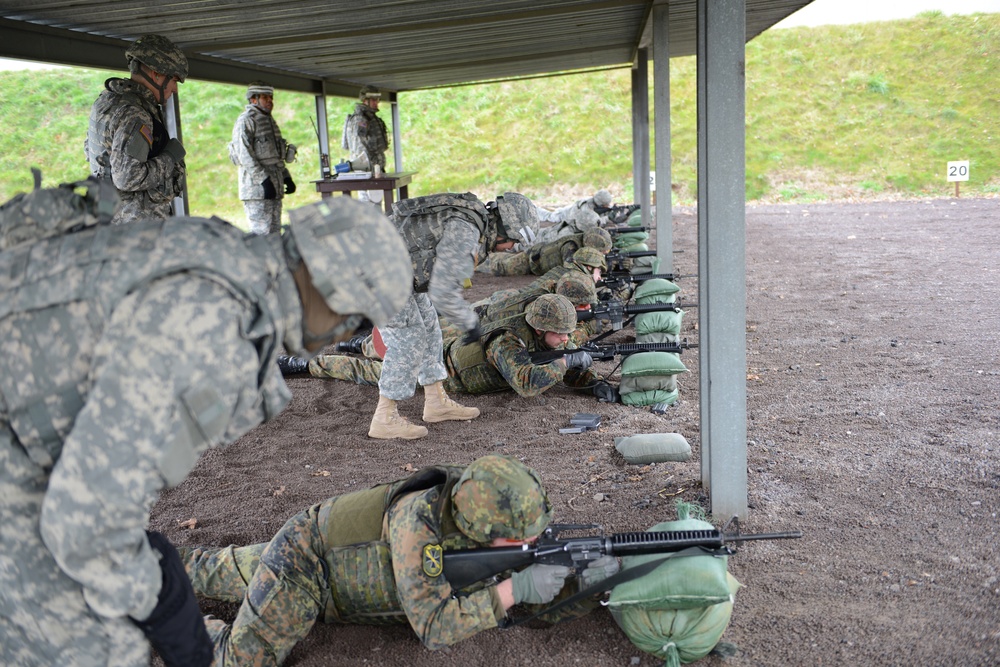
(438, 406)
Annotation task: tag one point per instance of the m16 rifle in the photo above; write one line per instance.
(603, 352)
(615, 310)
(467, 566)
(617, 215)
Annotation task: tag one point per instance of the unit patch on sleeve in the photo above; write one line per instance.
(433, 560)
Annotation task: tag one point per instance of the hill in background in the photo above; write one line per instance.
(867, 110)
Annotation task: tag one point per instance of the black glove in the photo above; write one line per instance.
(174, 149)
(176, 628)
(289, 185)
(606, 392)
(269, 191)
(472, 335)
(580, 359)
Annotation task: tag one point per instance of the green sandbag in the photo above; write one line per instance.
(668, 321)
(645, 265)
(626, 239)
(679, 611)
(657, 290)
(652, 363)
(639, 399)
(635, 219)
(644, 448)
(647, 378)
(657, 337)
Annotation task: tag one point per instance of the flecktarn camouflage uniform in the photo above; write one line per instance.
(371, 557)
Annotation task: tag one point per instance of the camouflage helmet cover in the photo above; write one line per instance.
(518, 213)
(584, 218)
(590, 257)
(498, 496)
(159, 54)
(369, 92)
(356, 258)
(603, 198)
(598, 238)
(46, 212)
(579, 288)
(255, 88)
(551, 312)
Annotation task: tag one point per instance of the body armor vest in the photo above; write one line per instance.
(73, 282)
(362, 581)
(550, 255)
(468, 362)
(421, 223)
(106, 112)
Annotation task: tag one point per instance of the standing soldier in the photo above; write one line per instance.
(259, 151)
(445, 234)
(365, 138)
(127, 140)
(124, 356)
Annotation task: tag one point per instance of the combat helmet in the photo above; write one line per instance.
(355, 256)
(159, 54)
(255, 88)
(498, 496)
(551, 312)
(602, 199)
(369, 92)
(598, 238)
(577, 287)
(590, 257)
(518, 216)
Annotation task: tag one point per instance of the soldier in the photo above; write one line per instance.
(365, 138)
(445, 234)
(542, 257)
(260, 152)
(374, 557)
(599, 203)
(127, 140)
(498, 361)
(125, 354)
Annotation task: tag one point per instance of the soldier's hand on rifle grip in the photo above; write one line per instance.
(539, 584)
(580, 359)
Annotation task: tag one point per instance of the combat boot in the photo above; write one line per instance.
(388, 424)
(354, 345)
(292, 365)
(439, 408)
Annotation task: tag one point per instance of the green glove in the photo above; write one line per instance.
(538, 584)
(599, 570)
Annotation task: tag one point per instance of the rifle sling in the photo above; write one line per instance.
(619, 578)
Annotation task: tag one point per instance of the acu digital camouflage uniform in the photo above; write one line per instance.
(127, 136)
(125, 353)
(260, 152)
(365, 136)
(601, 201)
(374, 557)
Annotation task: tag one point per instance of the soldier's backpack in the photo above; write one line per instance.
(42, 213)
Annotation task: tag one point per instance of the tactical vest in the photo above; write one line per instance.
(362, 581)
(550, 255)
(73, 283)
(468, 363)
(107, 109)
(421, 221)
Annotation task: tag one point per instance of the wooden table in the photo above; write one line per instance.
(387, 183)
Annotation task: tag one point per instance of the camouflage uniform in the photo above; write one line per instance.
(365, 137)
(601, 200)
(367, 557)
(443, 233)
(125, 353)
(124, 142)
(259, 151)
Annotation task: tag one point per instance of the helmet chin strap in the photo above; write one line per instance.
(161, 88)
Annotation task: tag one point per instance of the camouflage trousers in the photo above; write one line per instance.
(283, 586)
(264, 215)
(506, 264)
(414, 350)
(359, 371)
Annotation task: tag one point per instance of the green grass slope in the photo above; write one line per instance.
(868, 110)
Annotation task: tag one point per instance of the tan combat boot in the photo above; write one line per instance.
(439, 408)
(388, 424)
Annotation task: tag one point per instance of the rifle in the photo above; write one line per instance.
(615, 310)
(609, 350)
(617, 214)
(616, 258)
(615, 280)
(467, 566)
(625, 229)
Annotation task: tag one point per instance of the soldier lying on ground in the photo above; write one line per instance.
(498, 361)
(374, 557)
(540, 258)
